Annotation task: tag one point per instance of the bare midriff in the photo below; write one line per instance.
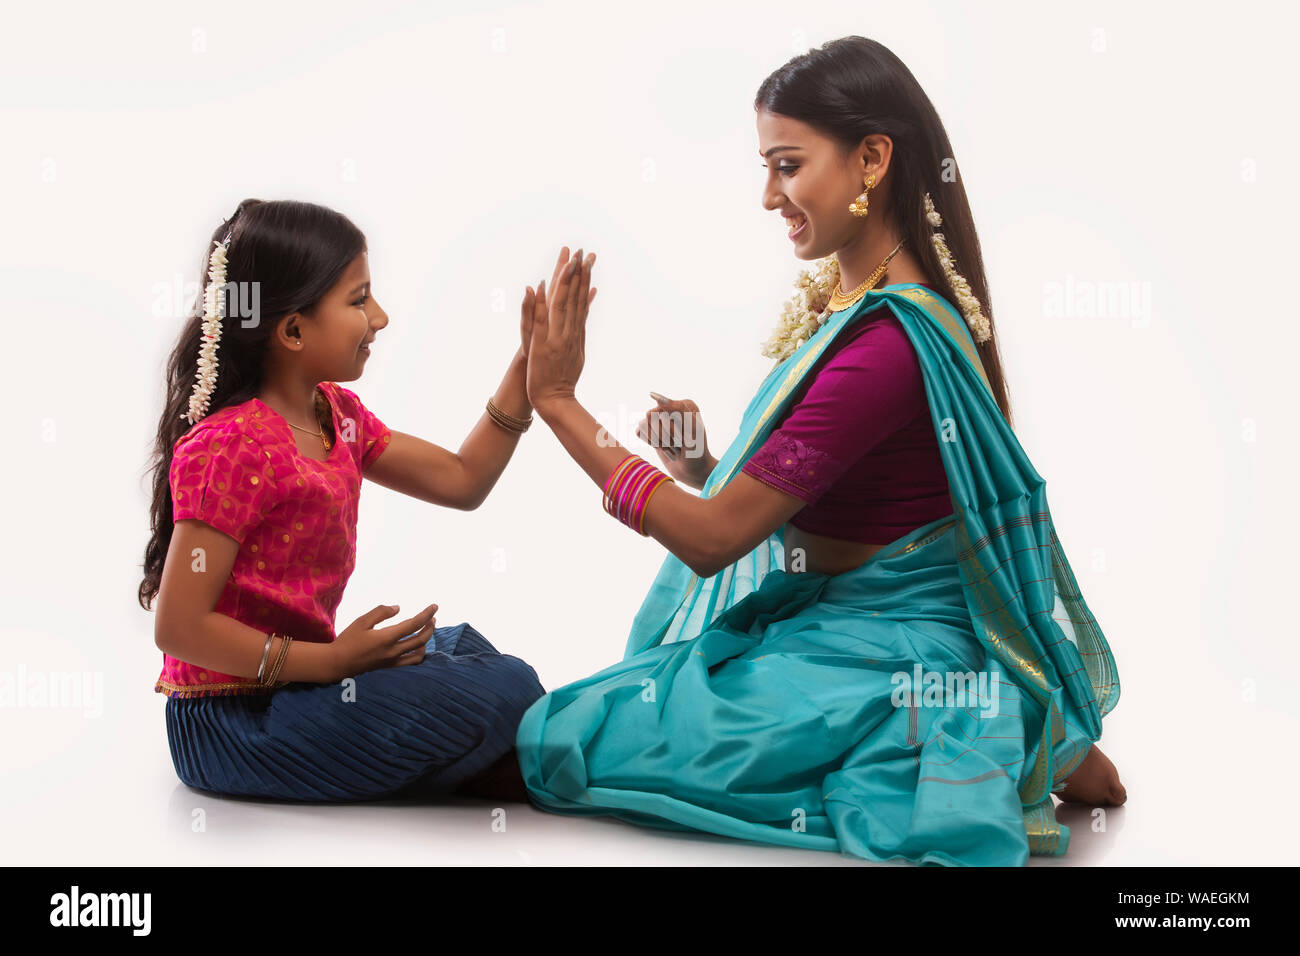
(823, 555)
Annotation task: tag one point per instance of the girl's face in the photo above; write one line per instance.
(811, 182)
(333, 342)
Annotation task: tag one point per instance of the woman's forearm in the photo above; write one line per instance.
(220, 643)
(488, 448)
(679, 520)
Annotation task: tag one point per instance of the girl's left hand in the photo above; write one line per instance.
(556, 329)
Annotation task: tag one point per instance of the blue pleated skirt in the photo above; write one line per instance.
(423, 728)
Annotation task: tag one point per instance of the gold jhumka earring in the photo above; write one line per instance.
(859, 206)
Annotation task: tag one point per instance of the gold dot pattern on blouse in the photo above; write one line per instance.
(295, 519)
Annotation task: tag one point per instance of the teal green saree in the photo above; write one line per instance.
(920, 707)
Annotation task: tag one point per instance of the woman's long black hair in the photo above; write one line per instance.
(853, 87)
(295, 252)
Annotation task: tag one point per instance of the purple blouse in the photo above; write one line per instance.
(857, 444)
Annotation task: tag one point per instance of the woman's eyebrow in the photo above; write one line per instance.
(776, 149)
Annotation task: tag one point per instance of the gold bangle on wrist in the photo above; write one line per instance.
(506, 420)
(261, 668)
(279, 661)
(274, 673)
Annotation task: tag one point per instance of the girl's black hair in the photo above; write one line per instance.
(294, 252)
(853, 87)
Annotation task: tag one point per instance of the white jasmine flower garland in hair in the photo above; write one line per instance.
(966, 301)
(205, 376)
(804, 314)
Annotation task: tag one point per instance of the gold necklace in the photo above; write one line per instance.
(319, 434)
(842, 300)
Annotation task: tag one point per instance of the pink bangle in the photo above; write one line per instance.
(633, 490)
(628, 491)
(661, 480)
(631, 476)
(614, 478)
(624, 479)
(614, 487)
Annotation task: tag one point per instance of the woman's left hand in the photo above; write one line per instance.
(555, 320)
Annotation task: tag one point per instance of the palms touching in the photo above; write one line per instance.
(553, 327)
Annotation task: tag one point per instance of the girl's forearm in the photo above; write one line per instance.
(488, 448)
(222, 644)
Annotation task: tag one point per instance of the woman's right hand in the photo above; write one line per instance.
(364, 647)
(688, 462)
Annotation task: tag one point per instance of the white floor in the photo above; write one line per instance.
(1204, 754)
(109, 796)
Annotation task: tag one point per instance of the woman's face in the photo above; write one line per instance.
(811, 183)
(336, 335)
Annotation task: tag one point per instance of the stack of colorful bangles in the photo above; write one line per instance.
(628, 491)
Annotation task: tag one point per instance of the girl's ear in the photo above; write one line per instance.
(288, 329)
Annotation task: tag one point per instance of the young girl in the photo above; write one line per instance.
(257, 473)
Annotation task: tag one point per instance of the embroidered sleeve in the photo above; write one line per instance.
(793, 466)
(866, 391)
(222, 476)
(361, 428)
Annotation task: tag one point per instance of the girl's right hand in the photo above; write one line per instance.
(364, 647)
(688, 462)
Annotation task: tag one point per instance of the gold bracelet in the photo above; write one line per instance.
(506, 420)
(279, 662)
(263, 672)
(513, 419)
(261, 668)
(284, 656)
(274, 673)
(494, 414)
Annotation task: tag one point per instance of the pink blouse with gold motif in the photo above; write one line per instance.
(857, 444)
(240, 471)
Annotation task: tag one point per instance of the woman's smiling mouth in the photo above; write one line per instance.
(797, 224)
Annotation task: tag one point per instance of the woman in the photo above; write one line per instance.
(825, 701)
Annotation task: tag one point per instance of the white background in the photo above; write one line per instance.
(1107, 143)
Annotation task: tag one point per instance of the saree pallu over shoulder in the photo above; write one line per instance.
(988, 588)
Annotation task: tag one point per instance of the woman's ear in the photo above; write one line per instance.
(874, 155)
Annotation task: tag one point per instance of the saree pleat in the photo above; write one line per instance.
(764, 705)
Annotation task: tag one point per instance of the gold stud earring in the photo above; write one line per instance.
(859, 206)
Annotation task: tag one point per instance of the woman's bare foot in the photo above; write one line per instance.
(1094, 782)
